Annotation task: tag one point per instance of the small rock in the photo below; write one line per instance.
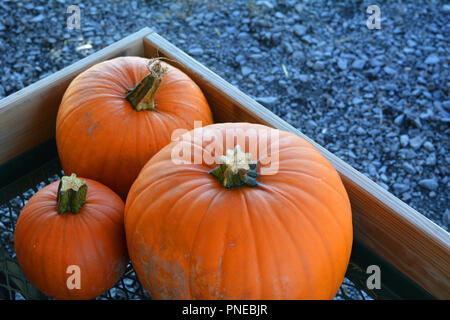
(307, 38)
(446, 105)
(406, 196)
(431, 159)
(38, 18)
(240, 58)
(196, 51)
(299, 30)
(267, 101)
(446, 8)
(426, 115)
(246, 71)
(357, 100)
(279, 15)
(360, 131)
(432, 59)
(416, 142)
(409, 168)
(342, 64)
(287, 46)
(299, 7)
(390, 71)
(404, 140)
(376, 63)
(372, 170)
(303, 78)
(417, 122)
(292, 91)
(319, 66)
(358, 64)
(428, 146)
(400, 187)
(311, 124)
(444, 116)
(399, 119)
(430, 184)
(407, 154)
(411, 43)
(267, 4)
(86, 46)
(373, 73)
(298, 55)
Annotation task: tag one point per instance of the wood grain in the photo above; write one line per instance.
(28, 116)
(396, 232)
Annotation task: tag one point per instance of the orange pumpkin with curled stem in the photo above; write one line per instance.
(228, 230)
(70, 239)
(117, 114)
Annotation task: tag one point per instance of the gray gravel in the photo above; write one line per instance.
(379, 99)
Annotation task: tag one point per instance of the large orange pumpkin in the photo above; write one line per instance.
(70, 239)
(117, 114)
(202, 230)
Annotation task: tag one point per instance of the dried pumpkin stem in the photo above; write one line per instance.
(71, 194)
(142, 96)
(236, 169)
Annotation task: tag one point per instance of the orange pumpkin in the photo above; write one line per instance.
(117, 114)
(70, 239)
(276, 227)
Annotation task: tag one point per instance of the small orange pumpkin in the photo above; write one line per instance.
(117, 114)
(198, 230)
(70, 239)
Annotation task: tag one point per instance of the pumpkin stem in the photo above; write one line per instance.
(71, 194)
(236, 169)
(142, 96)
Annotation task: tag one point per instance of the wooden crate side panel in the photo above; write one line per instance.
(410, 247)
(396, 232)
(28, 116)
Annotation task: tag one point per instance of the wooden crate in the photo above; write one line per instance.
(395, 234)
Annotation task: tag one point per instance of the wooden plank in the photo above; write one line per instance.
(28, 117)
(396, 232)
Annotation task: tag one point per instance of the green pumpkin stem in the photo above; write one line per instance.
(142, 96)
(236, 169)
(71, 194)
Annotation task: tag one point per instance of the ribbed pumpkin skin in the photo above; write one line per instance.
(46, 242)
(101, 137)
(290, 237)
